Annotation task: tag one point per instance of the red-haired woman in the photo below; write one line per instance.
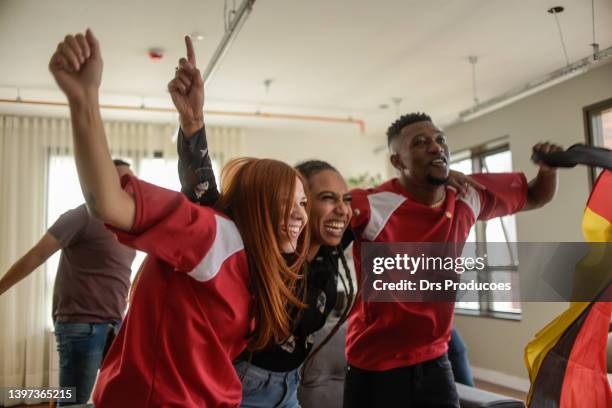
(210, 271)
(270, 374)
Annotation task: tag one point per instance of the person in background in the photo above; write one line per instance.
(458, 357)
(90, 290)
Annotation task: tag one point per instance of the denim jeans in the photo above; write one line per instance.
(80, 347)
(457, 354)
(267, 389)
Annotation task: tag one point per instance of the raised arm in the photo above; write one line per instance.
(38, 254)
(76, 66)
(195, 167)
(543, 187)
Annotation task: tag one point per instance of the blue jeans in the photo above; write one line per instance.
(80, 347)
(267, 389)
(457, 354)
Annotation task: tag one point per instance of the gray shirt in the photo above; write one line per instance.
(93, 276)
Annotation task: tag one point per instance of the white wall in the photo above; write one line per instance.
(349, 151)
(555, 115)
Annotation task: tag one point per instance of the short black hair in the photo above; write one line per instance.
(309, 168)
(396, 127)
(119, 162)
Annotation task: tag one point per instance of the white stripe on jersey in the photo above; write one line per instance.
(382, 206)
(472, 200)
(227, 242)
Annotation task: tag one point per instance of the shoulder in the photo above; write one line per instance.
(226, 243)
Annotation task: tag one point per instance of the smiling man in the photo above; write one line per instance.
(396, 351)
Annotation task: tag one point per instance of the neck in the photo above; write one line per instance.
(312, 252)
(423, 192)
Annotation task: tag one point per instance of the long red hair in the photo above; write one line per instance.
(258, 195)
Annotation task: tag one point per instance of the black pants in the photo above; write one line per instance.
(428, 384)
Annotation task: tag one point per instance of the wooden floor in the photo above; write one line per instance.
(510, 392)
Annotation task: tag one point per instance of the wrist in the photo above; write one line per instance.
(548, 171)
(87, 98)
(191, 126)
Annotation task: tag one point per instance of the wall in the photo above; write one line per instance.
(554, 115)
(349, 151)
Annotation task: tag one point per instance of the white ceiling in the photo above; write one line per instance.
(327, 57)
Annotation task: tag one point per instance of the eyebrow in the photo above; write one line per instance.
(349, 194)
(320, 193)
(439, 133)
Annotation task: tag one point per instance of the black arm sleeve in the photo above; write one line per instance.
(195, 169)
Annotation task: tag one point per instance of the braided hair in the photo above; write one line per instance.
(308, 169)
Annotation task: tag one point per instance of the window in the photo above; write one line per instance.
(598, 127)
(494, 157)
(64, 193)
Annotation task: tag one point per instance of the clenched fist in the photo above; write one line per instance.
(76, 66)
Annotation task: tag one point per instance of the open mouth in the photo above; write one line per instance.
(440, 162)
(293, 231)
(335, 228)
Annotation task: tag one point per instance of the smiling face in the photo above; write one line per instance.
(290, 231)
(331, 208)
(420, 153)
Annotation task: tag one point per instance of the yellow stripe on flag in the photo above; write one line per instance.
(595, 227)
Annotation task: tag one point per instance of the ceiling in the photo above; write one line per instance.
(326, 58)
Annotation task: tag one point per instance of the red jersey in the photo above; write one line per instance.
(383, 336)
(189, 315)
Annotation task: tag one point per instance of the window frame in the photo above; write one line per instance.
(589, 136)
(477, 155)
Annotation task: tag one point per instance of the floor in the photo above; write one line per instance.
(510, 392)
(480, 384)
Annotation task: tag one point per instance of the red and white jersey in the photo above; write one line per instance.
(189, 315)
(383, 336)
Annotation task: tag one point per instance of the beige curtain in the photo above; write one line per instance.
(26, 143)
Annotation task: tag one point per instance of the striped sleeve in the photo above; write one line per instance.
(189, 237)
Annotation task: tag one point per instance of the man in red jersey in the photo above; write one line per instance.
(397, 351)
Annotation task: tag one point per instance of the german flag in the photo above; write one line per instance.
(567, 359)
(597, 221)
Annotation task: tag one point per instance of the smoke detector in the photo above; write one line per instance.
(156, 53)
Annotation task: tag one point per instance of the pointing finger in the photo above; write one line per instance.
(190, 52)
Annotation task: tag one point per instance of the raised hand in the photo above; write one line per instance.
(545, 148)
(187, 92)
(76, 66)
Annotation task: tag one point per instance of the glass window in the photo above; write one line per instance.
(598, 124)
(492, 159)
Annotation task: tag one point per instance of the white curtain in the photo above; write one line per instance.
(23, 310)
(26, 143)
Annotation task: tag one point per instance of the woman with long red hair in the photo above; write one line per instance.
(216, 281)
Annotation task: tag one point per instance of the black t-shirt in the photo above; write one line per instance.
(322, 283)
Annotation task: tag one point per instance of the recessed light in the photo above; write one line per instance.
(196, 36)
